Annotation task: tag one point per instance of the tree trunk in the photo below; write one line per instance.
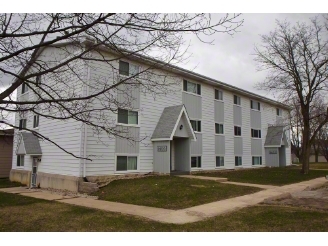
(306, 149)
(316, 156)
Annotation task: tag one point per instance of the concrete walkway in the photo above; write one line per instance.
(265, 187)
(203, 178)
(181, 216)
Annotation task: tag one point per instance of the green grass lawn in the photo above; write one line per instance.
(268, 176)
(5, 183)
(30, 214)
(170, 192)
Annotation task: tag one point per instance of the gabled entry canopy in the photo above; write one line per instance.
(275, 137)
(174, 121)
(28, 144)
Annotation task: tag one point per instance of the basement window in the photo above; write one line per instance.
(219, 161)
(126, 163)
(196, 162)
(238, 161)
(256, 160)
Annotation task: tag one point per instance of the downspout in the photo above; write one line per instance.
(85, 128)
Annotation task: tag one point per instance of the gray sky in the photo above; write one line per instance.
(230, 59)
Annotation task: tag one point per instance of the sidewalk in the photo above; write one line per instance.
(181, 216)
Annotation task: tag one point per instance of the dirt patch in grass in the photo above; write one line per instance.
(267, 176)
(170, 192)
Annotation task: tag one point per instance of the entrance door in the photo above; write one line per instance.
(34, 172)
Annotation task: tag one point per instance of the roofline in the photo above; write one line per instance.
(176, 69)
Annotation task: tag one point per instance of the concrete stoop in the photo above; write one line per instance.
(87, 187)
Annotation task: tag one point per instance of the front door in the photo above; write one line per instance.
(34, 172)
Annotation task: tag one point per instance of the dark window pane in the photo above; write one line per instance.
(124, 68)
(38, 80)
(122, 163)
(216, 94)
(199, 126)
(185, 85)
(193, 161)
(193, 124)
(123, 116)
(198, 89)
(199, 161)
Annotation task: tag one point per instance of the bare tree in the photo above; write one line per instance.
(297, 61)
(46, 54)
(323, 142)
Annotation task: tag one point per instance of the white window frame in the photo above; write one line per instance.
(237, 100)
(130, 63)
(220, 156)
(261, 163)
(260, 131)
(127, 155)
(189, 92)
(22, 124)
(20, 159)
(124, 124)
(26, 90)
(279, 110)
(220, 123)
(234, 131)
(201, 126)
(38, 117)
(258, 104)
(201, 162)
(218, 99)
(241, 158)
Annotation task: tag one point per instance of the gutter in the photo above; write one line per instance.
(86, 128)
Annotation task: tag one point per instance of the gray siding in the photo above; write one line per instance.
(272, 160)
(238, 146)
(185, 131)
(129, 142)
(256, 147)
(219, 145)
(237, 116)
(161, 159)
(182, 154)
(256, 119)
(219, 111)
(197, 147)
(193, 105)
(128, 96)
(282, 156)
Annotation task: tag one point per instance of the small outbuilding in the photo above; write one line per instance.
(6, 152)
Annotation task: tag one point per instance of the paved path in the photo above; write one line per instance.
(265, 187)
(181, 216)
(203, 178)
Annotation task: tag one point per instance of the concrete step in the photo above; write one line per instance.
(88, 187)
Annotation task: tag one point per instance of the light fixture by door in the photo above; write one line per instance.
(181, 126)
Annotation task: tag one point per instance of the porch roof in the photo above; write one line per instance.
(29, 144)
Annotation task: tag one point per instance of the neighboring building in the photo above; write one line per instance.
(6, 150)
(202, 124)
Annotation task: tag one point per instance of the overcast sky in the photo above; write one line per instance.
(230, 58)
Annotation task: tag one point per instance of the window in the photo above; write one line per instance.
(256, 133)
(196, 162)
(236, 100)
(218, 95)
(237, 131)
(255, 105)
(238, 161)
(219, 161)
(24, 88)
(218, 128)
(36, 121)
(20, 160)
(38, 80)
(196, 125)
(126, 163)
(128, 69)
(257, 160)
(279, 112)
(127, 117)
(22, 124)
(191, 87)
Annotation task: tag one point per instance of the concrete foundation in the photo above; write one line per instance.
(104, 180)
(57, 181)
(21, 176)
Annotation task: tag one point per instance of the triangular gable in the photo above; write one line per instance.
(20, 150)
(170, 122)
(274, 136)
